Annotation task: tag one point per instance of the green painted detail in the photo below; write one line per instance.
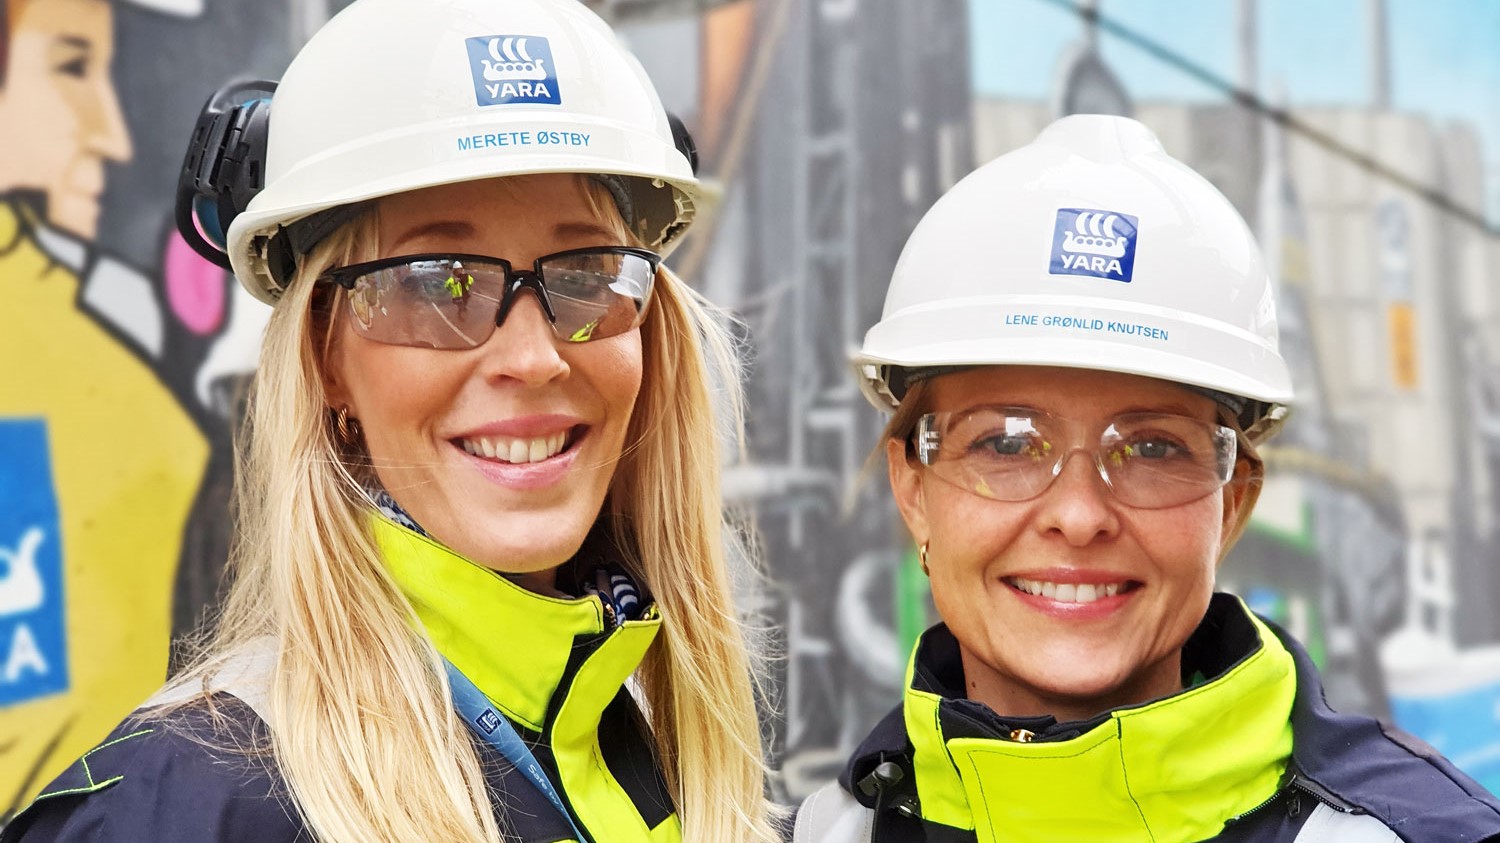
(94, 784)
(1229, 741)
(912, 592)
(1302, 540)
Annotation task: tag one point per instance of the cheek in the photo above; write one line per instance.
(968, 534)
(1185, 542)
(613, 369)
(396, 393)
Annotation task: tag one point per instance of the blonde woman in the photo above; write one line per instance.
(480, 488)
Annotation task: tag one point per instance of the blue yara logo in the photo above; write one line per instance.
(489, 721)
(33, 635)
(511, 69)
(1099, 244)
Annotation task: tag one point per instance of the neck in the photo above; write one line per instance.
(1008, 695)
(538, 582)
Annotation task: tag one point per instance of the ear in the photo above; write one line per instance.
(335, 385)
(906, 487)
(1240, 496)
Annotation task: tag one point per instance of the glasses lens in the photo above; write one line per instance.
(428, 303)
(1156, 461)
(995, 452)
(1150, 460)
(595, 295)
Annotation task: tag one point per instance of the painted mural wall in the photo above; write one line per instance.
(829, 126)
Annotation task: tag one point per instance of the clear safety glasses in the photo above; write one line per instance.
(1148, 460)
(455, 301)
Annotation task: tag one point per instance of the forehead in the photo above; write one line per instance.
(89, 19)
(1064, 391)
(516, 209)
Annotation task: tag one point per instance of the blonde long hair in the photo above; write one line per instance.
(363, 731)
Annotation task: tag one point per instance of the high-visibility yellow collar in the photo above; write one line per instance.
(532, 655)
(1168, 771)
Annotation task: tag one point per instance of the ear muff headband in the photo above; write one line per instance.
(225, 165)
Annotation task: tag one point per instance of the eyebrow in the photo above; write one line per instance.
(584, 229)
(461, 229)
(75, 41)
(441, 228)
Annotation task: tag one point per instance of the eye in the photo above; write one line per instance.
(1011, 445)
(77, 68)
(1154, 448)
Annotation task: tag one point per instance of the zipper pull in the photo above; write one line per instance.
(1022, 735)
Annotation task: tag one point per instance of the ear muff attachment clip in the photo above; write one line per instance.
(225, 165)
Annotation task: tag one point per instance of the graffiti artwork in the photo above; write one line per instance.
(831, 126)
(100, 460)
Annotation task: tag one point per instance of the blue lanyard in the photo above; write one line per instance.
(497, 732)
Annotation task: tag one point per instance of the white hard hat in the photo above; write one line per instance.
(1088, 248)
(181, 8)
(395, 95)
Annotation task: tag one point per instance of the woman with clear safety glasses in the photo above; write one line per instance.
(1079, 349)
(480, 587)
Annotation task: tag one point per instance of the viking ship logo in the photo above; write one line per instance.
(511, 69)
(1094, 243)
(512, 61)
(1094, 234)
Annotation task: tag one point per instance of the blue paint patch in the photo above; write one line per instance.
(513, 69)
(1094, 243)
(33, 632)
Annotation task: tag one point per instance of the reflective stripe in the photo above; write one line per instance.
(831, 815)
(1327, 825)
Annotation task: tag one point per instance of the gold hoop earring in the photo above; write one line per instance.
(922, 557)
(347, 428)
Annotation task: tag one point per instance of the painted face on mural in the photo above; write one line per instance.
(1032, 654)
(59, 109)
(505, 451)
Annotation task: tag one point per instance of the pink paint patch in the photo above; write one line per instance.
(196, 289)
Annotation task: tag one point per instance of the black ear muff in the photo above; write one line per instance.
(225, 165)
(684, 141)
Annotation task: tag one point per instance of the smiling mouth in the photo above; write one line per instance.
(521, 450)
(1071, 592)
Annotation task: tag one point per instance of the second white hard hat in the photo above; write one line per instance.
(396, 95)
(1089, 248)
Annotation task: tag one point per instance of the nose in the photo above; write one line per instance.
(104, 129)
(1078, 505)
(523, 347)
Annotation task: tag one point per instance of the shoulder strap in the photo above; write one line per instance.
(245, 674)
(1327, 825)
(831, 815)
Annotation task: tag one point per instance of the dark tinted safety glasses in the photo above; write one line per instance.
(456, 301)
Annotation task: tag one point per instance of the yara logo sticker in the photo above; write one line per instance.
(1094, 243)
(510, 69)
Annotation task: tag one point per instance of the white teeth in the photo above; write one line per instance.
(516, 451)
(1065, 592)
